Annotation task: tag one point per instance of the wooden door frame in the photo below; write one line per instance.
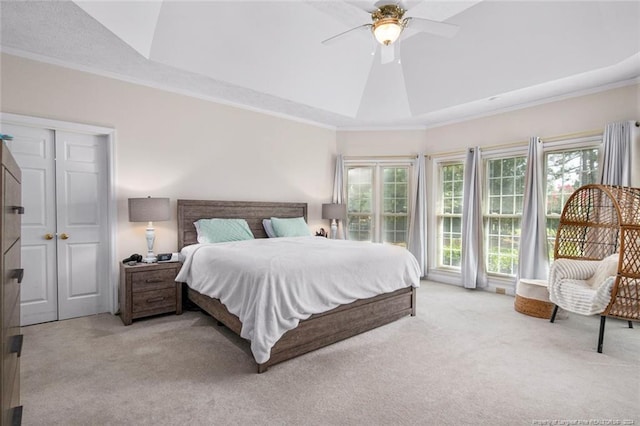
(109, 134)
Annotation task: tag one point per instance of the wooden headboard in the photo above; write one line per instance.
(252, 211)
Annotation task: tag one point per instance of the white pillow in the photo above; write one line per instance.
(268, 228)
(608, 267)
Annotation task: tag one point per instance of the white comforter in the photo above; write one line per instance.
(273, 283)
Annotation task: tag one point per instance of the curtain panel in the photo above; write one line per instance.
(472, 263)
(338, 193)
(616, 154)
(533, 257)
(417, 243)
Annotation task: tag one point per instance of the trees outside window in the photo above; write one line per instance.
(378, 205)
(567, 171)
(449, 216)
(503, 212)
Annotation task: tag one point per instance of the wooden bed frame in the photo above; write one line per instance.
(318, 330)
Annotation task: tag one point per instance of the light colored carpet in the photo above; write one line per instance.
(466, 358)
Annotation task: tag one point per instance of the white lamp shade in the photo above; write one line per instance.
(334, 211)
(149, 209)
(387, 32)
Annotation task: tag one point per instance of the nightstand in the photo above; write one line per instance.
(149, 289)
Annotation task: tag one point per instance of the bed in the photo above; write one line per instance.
(316, 331)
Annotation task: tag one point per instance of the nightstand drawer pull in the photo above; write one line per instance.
(15, 346)
(18, 274)
(153, 280)
(155, 299)
(16, 417)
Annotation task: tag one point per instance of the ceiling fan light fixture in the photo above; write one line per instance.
(387, 31)
(386, 23)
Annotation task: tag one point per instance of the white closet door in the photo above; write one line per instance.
(33, 150)
(65, 193)
(81, 183)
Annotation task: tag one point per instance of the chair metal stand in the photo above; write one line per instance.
(603, 319)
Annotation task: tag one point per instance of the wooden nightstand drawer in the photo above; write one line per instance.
(158, 301)
(149, 289)
(153, 280)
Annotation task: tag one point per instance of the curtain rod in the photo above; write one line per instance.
(595, 132)
(380, 157)
(525, 142)
(573, 135)
(464, 150)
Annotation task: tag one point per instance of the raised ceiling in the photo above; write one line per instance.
(267, 55)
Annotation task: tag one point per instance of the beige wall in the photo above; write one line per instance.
(170, 145)
(584, 113)
(381, 143)
(180, 147)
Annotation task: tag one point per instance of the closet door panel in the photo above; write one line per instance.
(83, 272)
(33, 150)
(81, 223)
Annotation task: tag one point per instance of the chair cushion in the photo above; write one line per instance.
(581, 286)
(608, 267)
(578, 297)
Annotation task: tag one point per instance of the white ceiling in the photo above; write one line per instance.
(267, 55)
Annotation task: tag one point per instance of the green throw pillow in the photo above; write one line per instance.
(292, 227)
(222, 230)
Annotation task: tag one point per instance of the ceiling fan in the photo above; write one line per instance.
(388, 22)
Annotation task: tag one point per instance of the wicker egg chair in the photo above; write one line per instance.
(599, 221)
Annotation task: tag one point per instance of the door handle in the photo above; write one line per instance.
(18, 274)
(48, 236)
(18, 209)
(64, 236)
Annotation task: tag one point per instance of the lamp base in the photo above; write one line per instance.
(150, 236)
(334, 229)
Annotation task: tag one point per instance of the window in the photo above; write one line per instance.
(451, 179)
(360, 203)
(378, 202)
(566, 171)
(503, 207)
(395, 205)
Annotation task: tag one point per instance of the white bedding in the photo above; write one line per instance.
(271, 284)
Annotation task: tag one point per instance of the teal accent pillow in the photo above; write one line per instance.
(291, 227)
(222, 230)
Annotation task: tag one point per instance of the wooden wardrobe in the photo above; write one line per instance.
(10, 338)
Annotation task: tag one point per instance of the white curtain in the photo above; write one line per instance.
(616, 154)
(472, 268)
(338, 193)
(533, 257)
(417, 228)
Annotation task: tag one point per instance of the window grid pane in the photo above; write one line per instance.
(450, 216)
(566, 172)
(504, 240)
(359, 227)
(360, 203)
(395, 204)
(505, 195)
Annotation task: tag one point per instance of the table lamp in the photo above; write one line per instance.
(149, 210)
(334, 212)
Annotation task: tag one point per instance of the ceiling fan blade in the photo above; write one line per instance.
(441, 29)
(332, 39)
